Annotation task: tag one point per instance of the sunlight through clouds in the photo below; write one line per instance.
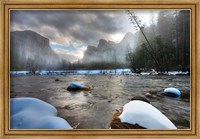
(116, 37)
(70, 32)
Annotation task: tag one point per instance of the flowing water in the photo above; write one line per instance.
(94, 109)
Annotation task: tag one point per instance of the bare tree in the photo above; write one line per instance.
(134, 20)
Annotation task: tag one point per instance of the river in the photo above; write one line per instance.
(94, 109)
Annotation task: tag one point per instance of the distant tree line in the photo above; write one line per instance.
(33, 66)
(164, 45)
(98, 65)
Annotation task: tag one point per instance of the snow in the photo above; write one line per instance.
(76, 85)
(149, 73)
(32, 113)
(20, 72)
(145, 115)
(145, 73)
(76, 72)
(166, 73)
(177, 73)
(92, 72)
(172, 90)
(80, 72)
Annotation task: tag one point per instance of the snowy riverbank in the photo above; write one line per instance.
(93, 72)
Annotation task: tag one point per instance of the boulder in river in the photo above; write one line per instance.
(185, 94)
(140, 115)
(33, 113)
(173, 92)
(117, 124)
(142, 98)
(74, 86)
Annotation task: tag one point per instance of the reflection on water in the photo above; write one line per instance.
(93, 109)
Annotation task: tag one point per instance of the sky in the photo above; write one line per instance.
(71, 31)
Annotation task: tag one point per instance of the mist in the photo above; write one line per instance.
(83, 39)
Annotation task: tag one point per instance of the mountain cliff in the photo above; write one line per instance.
(109, 51)
(29, 49)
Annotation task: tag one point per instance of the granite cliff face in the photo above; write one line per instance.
(109, 51)
(28, 49)
(103, 52)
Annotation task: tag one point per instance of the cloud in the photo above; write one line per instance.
(63, 26)
(68, 54)
(73, 30)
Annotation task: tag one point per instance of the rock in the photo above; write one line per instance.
(147, 94)
(185, 94)
(105, 50)
(117, 124)
(172, 92)
(32, 48)
(142, 98)
(151, 95)
(140, 115)
(57, 80)
(33, 113)
(145, 115)
(77, 86)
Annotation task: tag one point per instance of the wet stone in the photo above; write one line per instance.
(142, 98)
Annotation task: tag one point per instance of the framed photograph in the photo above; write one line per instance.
(99, 68)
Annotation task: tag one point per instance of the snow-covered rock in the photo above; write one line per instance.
(32, 113)
(77, 86)
(145, 115)
(172, 92)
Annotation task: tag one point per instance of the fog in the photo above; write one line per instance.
(135, 42)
